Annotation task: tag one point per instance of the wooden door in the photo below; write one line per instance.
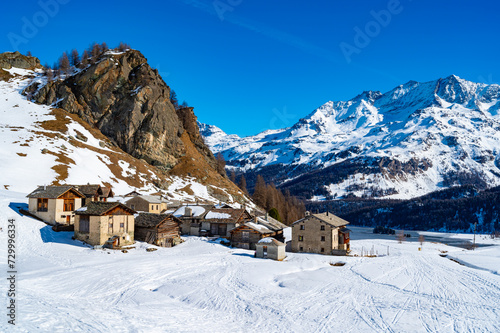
(68, 219)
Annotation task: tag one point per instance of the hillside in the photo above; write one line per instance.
(85, 135)
(415, 139)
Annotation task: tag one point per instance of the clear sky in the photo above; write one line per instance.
(251, 65)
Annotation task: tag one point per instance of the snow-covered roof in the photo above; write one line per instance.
(270, 241)
(216, 215)
(196, 210)
(258, 227)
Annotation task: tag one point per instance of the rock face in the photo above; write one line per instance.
(128, 101)
(16, 59)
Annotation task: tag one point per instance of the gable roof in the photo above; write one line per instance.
(150, 220)
(100, 208)
(89, 190)
(328, 218)
(269, 240)
(254, 226)
(269, 222)
(154, 199)
(225, 215)
(196, 210)
(107, 192)
(53, 191)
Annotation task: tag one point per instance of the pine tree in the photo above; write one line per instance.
(104, 47)
(85, 59)
(221, 164)
(75, 58)
(233, 176)
(273, 212)
(28, 54)
(173, 99)
(64, 63)
(243, 185)
(259, 194)
(95, 52)
(184, 104)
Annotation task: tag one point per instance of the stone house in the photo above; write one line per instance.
(220, 221)
(97, 222)
(158, 229)
(191, 216)
(147, 203)
(270, 248)
(55, 204)
(247, 235)
(322, 233)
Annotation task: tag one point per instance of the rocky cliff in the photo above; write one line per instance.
(128, 101)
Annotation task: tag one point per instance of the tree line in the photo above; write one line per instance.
(70, 61)
(282, 206)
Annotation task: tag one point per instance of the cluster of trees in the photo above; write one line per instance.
(175, 101)
(69, 61)
(282, 206)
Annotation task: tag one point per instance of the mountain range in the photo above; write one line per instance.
(412, 140)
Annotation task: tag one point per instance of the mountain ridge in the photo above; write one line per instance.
(409, 141)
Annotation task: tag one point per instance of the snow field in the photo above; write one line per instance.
(201, 286)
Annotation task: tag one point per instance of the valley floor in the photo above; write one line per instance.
(64, 286)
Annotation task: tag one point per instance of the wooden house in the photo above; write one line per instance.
(247, 235)
(322, 233)
(270, 248)
(147, 203)
(158, 229)
(97, 222)
(220, 221)
(55, 204)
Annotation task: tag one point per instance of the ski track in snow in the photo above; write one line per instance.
(65, 286)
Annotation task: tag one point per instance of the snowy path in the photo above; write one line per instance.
(204, 287)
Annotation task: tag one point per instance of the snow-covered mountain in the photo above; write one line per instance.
(412, 140)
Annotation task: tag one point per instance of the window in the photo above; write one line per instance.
(301, 238)
(322, 227)
(322, 238)
(322, 249)
(302, 227)
(132, 206)
(122, 226)
(301, 249)
(245, 235)
(69, 205)
(156, 207)
(42, 205)
(110, 225)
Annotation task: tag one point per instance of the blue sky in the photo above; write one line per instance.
(247, 66)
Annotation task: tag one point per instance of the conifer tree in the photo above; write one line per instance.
(75, 58)
(64, 64)
(243, 185)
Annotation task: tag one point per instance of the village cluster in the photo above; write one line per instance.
(101, 219)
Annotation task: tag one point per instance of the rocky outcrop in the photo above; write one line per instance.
(128, 101)
(16, 59)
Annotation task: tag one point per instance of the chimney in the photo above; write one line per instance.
(267, 217)
(188, 211)
(326, 213)
(308, 213)
(256, 219)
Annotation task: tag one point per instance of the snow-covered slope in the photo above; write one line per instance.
(42, 145)
(199, 286)
(414, 139)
